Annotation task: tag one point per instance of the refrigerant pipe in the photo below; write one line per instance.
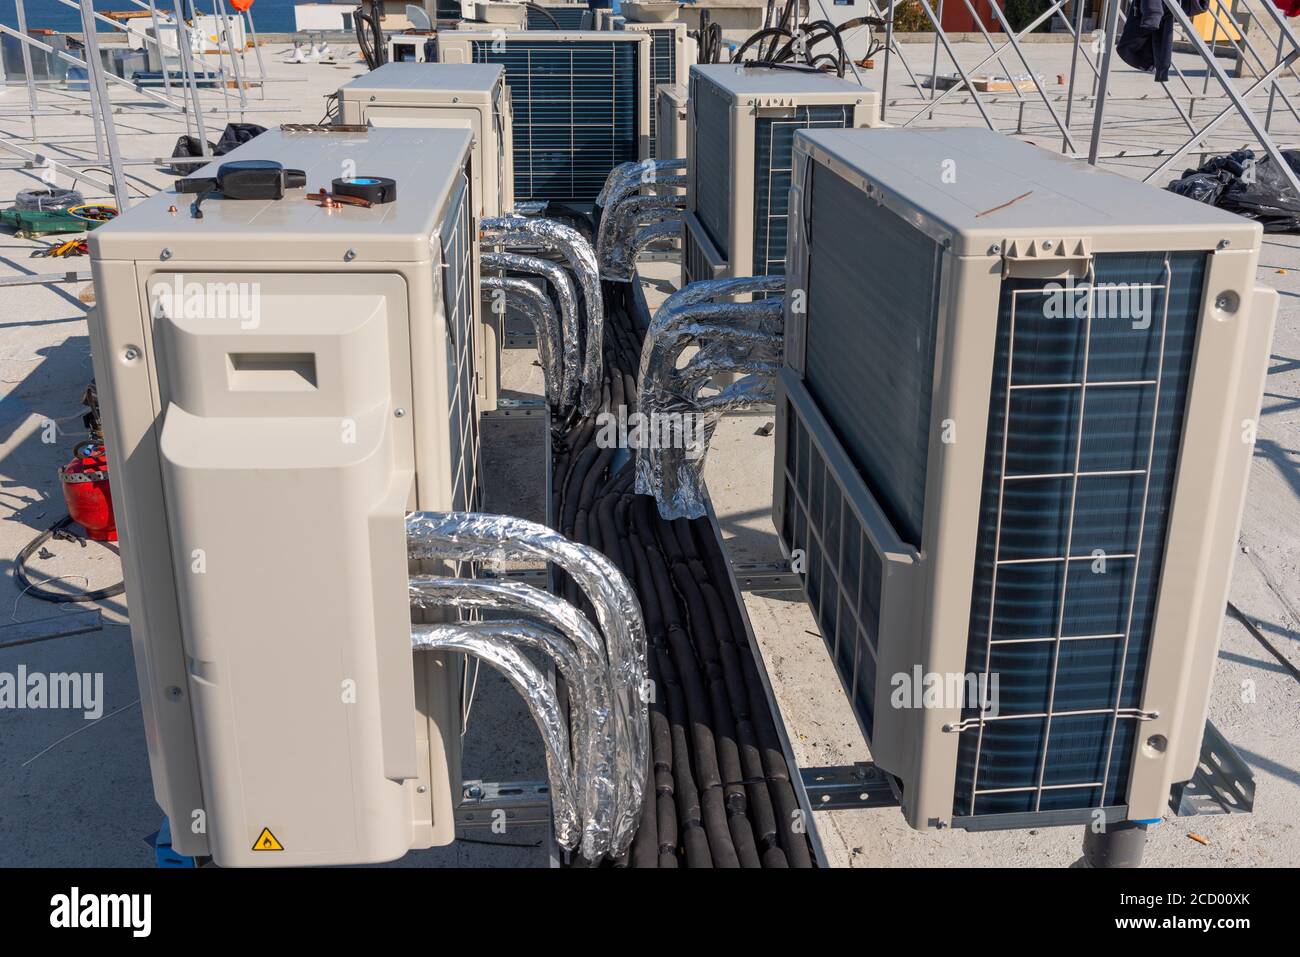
(493, 643)
(516, 231)
(467, 536)
(603, 776)
(568, 336)
(537, 306)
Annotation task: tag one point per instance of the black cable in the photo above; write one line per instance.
(537, 8)
(757, 37)
(43, 594)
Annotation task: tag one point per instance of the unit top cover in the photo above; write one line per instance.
(980, 188)
(396, 81)
(423, 162)
(740, 80)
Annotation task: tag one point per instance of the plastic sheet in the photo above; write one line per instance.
(469, 536)
(534, 303)
(1250, 186)
(602, 754)
(493, 642)
(48, 200)
(568, 336)
(518, 231)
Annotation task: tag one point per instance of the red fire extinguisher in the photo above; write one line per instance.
(85, 489)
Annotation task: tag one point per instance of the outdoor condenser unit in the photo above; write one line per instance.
(581, 104)
(1015, 423)
(670, 130)
(671, 54)
(568, 16)
(410, 47)
(281, 383)
(739, 134)
(466, 96)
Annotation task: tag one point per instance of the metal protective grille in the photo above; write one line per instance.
(663, 72)
(773, 173)
(843, 577)
(568, 16)
(462, 393)
(575, 109)
(1089, 390)
(711, 164)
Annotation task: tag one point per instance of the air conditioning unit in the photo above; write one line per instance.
(1015, 424)
(497, 14)
(601, 17)
(671, 54)
(581, 104)
(464, 95)
(410, 47)
(562, 16)
(280, 372)
(671, 119)
(739, 133)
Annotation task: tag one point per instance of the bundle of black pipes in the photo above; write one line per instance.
(719, 792)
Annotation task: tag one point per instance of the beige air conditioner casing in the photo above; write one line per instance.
(740, 121)
(470, 96)
(990, 478)
(672, 112)
(280, 384)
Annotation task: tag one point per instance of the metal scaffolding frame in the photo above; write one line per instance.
(1083, 116)
(180, 96)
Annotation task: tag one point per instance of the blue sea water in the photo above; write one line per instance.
(270, 16)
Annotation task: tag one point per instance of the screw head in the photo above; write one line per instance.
(130, 353)
(1223, 244)
(995, 249)
(174, 693)
(165, 255)
(398, 413)
(350, 255)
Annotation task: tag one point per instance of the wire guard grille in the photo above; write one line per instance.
(773, 174)
(575, 112)
(568, 18)
(663, 72)
(843, 575)
(1084, 425)
(712, 162)
(462, 392)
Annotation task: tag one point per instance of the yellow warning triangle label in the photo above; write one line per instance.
(266, 841)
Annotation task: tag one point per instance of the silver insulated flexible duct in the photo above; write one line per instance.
(520, 232)
(537, 306)
(602, 758)
(568, 336)
(734, 337)
(465, 536)
(493, 642)
(619, 227)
